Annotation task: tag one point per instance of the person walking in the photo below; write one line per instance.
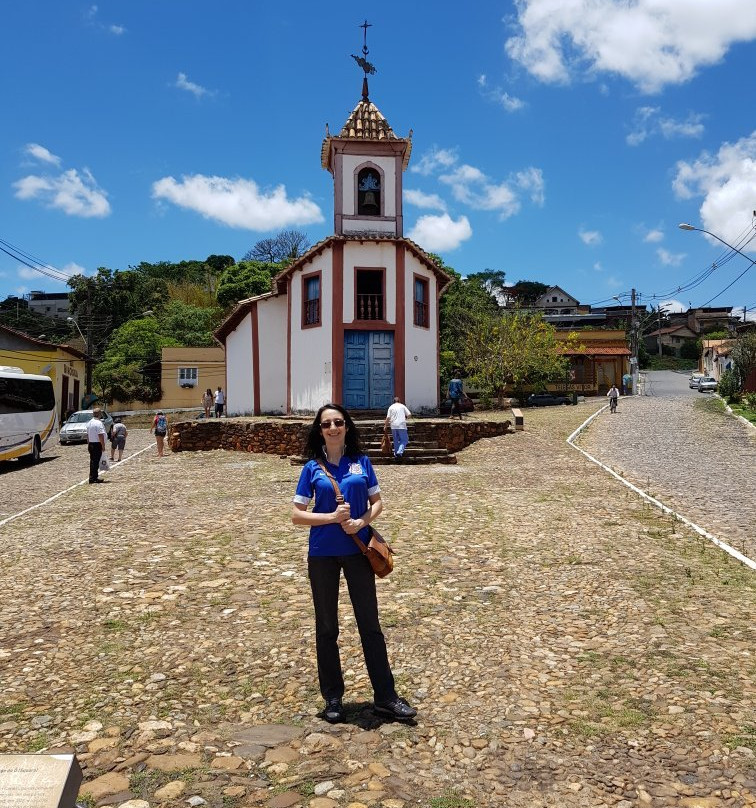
(95, 444)
(396, 419)
(207, 402)
(333, 446)
(455, 394)
(220, 400)
(118, 435)
(160, 428)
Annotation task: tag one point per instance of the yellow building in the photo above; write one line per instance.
(598, 359)
(185, 374)
(65, 365)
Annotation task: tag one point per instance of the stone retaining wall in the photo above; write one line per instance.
(287, 437)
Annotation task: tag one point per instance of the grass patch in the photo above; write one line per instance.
(746, 412)
(13, 709)
(746, 737)
(451, 799)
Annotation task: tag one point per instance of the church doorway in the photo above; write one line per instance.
(368, 380)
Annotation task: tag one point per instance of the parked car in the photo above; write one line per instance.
(694, 379)
(706, 383)
(75, 428)
(547, 399)
(465, 404)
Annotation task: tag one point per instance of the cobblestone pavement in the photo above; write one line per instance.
(565, 644)
(685, 452)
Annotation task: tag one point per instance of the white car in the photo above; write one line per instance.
(706, 383)
(694, 379)
(75, 428)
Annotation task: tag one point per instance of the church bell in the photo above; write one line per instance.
(370, 204)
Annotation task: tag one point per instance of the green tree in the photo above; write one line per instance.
(132, 347)
(189, 325)
(463, 299)
(509, 350)
(743, 355)
(527, 292)
(245, 279)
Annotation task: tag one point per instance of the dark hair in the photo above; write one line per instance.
(313, 448)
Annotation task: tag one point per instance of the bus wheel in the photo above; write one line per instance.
(36, 451)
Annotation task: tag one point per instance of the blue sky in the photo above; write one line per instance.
(560, 142)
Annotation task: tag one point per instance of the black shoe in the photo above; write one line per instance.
(334, 711)
(396, 708)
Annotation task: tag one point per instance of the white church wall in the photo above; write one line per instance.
(239, 369)
(380, 255)
(421, 344)
(311, 359)
(271, 331)
(388, 192)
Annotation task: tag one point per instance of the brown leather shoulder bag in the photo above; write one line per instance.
(377, 550)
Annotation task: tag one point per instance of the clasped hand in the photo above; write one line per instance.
(343, 516)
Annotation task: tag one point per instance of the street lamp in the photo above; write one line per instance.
(88, 360)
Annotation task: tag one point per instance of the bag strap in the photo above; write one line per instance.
(340, 501)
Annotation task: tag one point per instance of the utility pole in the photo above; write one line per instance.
(633, 343)
(658, 331)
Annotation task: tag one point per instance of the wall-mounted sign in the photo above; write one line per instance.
(71, 371)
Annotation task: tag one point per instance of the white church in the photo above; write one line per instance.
(355, 319)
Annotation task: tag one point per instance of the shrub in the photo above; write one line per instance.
(729, 386)
(750, 400)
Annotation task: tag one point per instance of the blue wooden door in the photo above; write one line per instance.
(368, 381)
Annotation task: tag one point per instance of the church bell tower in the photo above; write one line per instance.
(366, 160)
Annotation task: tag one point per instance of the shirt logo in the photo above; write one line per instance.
(355, 468)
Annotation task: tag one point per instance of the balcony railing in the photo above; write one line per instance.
(312, 312)
(370, 307)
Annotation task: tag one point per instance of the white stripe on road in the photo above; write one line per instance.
(66, 490)
(705, 533)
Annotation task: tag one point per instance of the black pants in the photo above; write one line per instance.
(456, 407)
(95, 453)
(324, 574)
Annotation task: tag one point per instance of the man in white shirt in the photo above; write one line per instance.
(220, 400)
(396, 418)
(95, 444)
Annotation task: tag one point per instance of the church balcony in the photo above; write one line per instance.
(370, 307)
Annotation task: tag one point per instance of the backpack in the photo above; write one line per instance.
(162, 424)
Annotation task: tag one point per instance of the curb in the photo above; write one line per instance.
(665, 508)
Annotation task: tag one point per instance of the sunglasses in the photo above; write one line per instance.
(336, 422)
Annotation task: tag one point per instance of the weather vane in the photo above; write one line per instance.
(362, 60)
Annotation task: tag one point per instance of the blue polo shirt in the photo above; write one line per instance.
(357, 481)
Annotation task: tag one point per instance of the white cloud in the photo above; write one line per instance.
(653, 236)
(499, 96)
(648, 121)
(440, 233)
(42, 154)
(613, 282)
(672, 306)
(423, 200)
(118, 30)
(435, 160)
(670, 259)
(238, 202)
(726, 181)
(183, 83)
(75, 193)
(651, 43)
(597, 267)
(590, 237)
(531, 179)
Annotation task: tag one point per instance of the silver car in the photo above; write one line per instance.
(706, 383)
(75, 428)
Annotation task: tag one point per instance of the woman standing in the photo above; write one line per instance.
(160, 428)
(334, 442)
(207, 402)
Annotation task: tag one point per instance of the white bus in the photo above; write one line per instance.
(28, 417)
